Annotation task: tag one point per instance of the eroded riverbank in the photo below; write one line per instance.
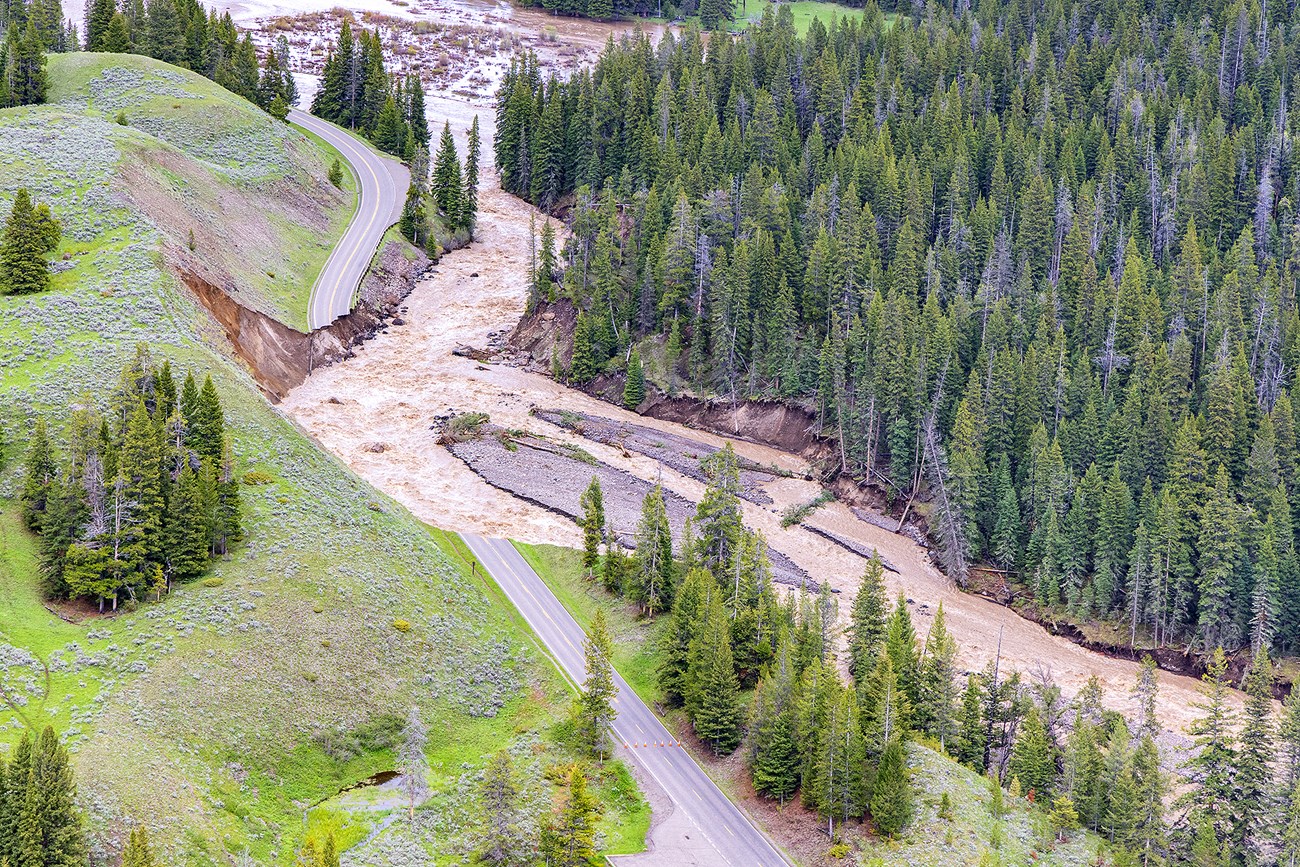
(378, 412)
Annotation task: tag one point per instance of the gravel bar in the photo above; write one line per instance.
(685, 455)
(553, 476)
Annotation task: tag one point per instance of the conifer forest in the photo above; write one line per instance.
(1032, 263)
(135, 495)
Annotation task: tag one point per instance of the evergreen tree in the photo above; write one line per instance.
(774, 756)
(187, 531)
(713, 692)
(23, 64)
(1213, 764)
(892, 800)
(592, 523)
(634, 388)
(867, 623)
(1254, 793)
(936, 711)
(593, 709)
(38, 475)
(971, 739)
(390, 129)
(40, 823)
(30, 234)
(900, 646)
(651, 584)
(569, 837)
(1033, 761)
(473, 154)
(504, 840)
(447, 186)
(99, 15)
(137, 852)
(414, 765)
(688, 611)
(117, 39)
(718, 521)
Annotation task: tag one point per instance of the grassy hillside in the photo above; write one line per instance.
(255, 194)
(229, 716)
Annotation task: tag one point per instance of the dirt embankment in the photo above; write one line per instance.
(280, 357)
(548, 330)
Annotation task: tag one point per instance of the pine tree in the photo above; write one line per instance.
(1149, 831)
(569, 838)
(713, 692)
(900, 646)
(1254, 793)
(99, 15)
(390, 130)
(38, 474)
(971, 737)
(1214, 761)
(634, 388)
(40, 823)
(867, 623)
(774, 758)
(473, 154)
(447, 186)
(415, 112)
(544, 273)
(205, 422)
(688, 610)
(937, 712)
(1032, 758)
(117, 39)
(592, 523)
(651, 584)
(593, 709)
(1064, 817)
(137, 852)
(718, 521)
(30, 234)
(23, 63)
(892, 800)
(414, 765)
(503, 837)
(187, 531)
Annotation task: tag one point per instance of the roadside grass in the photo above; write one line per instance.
(207, 715)
(635, 638)
(1020, 836)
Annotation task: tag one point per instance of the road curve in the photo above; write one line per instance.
(737, 840)
(383, 185)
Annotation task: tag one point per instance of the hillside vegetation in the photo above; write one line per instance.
(226, 716)
(255, 195)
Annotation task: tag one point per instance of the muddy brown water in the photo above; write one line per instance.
(391, 394)
(408, 376)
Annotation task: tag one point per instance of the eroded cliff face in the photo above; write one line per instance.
(278, 356)
(786, 426)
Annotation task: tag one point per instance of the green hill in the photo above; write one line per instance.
(255, 194)
(223, 716)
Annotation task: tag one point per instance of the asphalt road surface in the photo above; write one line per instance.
(736, 839)
(383, 185)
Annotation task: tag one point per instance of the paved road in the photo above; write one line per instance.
(383, 191)
(736, 839)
